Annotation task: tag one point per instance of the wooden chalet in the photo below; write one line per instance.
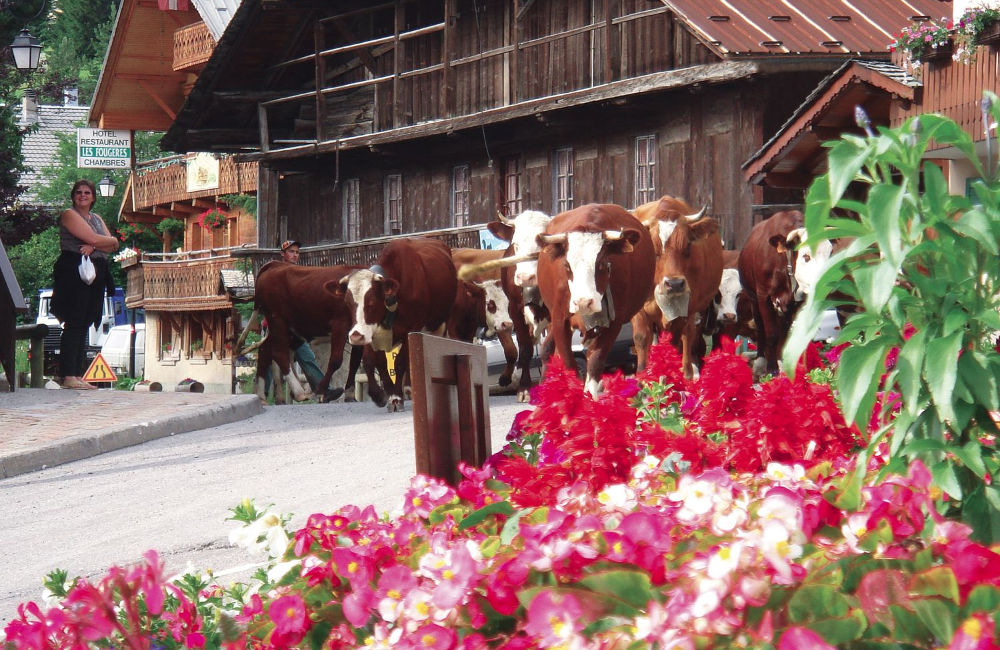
(156, 52)
(379, 119)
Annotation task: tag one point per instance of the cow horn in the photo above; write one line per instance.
(378, 272)
(795, 236)
(697, 215)
(504, 220)
(649, 223)
(469, 271)
(558, 238)
(613, 235)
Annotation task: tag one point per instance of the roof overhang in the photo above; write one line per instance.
(795, 155)
(138, 88)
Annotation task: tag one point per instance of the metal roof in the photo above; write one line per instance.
(40, 147)
(756, 27)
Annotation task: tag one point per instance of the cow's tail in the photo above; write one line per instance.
(246, 330)
(472, 271)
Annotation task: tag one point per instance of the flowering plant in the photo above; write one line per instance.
(921, 37)
(213, 218)
(971, 24)
(126, 254)
(605, 523)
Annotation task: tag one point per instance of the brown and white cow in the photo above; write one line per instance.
(688, 272)
(479, 305)
(595, 270)
(732, 316)
(410, 288)
(778, 278)
(293, 301)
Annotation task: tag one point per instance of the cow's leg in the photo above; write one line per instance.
(562, 339)
(688, 344)
(357, 352)
(264, 360)
(768, 334)
(510, 353)
(396, 393)
(373, 361)
(338, 339)
(642, 338)
(597, 356)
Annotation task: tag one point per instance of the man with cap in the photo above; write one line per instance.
(303, 353)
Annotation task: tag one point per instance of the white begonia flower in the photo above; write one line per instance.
(724, 560)
(281, 569)
(781, 473)
(618, 496)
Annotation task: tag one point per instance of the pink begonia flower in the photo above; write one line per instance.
(393, 585)
(359, 605)
(150, 576)
(454, 573)
(424, 494)
(355, 567)
(430, 636)
(290, 620)
(802, 638)
(975, 633)
(555, 620)
(700, 495)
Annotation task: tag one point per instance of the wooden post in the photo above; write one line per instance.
(451, 420)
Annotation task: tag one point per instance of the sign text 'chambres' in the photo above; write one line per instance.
(103, 148)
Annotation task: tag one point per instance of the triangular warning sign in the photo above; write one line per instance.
(99, 371)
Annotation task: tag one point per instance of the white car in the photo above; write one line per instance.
(116, 349)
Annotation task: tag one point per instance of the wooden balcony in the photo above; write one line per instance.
(193, 46)
(189, 281)
(163, 181)
(953, 89)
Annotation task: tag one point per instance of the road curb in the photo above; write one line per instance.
(67, 450)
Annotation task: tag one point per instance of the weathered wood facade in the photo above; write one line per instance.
(380, 119)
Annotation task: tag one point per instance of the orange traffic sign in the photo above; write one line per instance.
(99, 371)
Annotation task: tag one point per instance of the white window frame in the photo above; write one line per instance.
(352, 209)
(512, 168)
(562, 179)
(392, 188)
(645, 169)
(461, 180)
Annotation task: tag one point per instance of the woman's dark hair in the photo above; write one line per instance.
(88, 183)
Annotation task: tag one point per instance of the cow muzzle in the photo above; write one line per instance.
(674, 285)
(728, 318)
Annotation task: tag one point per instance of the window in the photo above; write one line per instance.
(563, 182)
(645, 169)
(351, 215)
(460, 195)
(512, 186)
(393, 190)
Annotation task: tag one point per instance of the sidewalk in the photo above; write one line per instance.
(40, 428)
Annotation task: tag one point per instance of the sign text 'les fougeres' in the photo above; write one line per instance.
(103, 148)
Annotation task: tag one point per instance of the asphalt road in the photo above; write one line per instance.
(174, 494)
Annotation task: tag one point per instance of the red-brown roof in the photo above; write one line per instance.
(756, 27)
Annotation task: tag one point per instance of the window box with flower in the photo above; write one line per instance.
(210, 219)
(979, 25)
(924, 41)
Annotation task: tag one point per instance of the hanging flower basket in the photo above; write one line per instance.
(942, 52)
(210, 219)
(990, 35)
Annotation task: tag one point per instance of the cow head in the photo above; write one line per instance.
(804, 265)
(586, 256)
(372, 297)
(522, 232)
(729, 291)
(673, 266)
(497, 308)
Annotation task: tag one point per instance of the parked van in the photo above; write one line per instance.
(115, 313)
(117, 346)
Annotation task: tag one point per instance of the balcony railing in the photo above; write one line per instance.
(189, 281)
(193, 46)
(161, 181)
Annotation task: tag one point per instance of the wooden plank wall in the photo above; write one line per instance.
(702, 141)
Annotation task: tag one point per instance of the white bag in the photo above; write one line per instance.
(87, 271)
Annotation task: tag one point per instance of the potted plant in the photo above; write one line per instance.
(924, 41)
(977, 26)
(210, 219)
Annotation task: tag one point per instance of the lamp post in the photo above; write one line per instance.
(106, 186)
(27, 50)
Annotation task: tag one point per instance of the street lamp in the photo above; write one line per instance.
(106, 187)
(27, 51)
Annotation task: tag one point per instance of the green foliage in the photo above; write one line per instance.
(924, 266)
(127, 383)
(173, 226)
(244, 202)
(32, 261)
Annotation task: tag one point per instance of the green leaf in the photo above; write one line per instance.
(318, 634)
(804, 327)
(940, 370)
(875, 283)
(944, 477)
(908, 371)
(634, 587)
(477, 517)
(814, 602)
(976, 225)
(923, 445)
(971, 456)
(983, 598)
(841, 630)
(849, 498)
(938, 581)
(845, 161)
(513, 526)
(885, 205)
(857, 379)
(938, 617)
(985, 386)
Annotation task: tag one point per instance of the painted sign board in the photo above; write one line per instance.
(103, 148)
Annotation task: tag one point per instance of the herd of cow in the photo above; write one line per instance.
(592, 269)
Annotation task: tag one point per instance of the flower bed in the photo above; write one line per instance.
(663, 514)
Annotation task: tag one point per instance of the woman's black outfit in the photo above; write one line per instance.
(77, 304)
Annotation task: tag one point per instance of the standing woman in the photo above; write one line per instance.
(78, 304)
